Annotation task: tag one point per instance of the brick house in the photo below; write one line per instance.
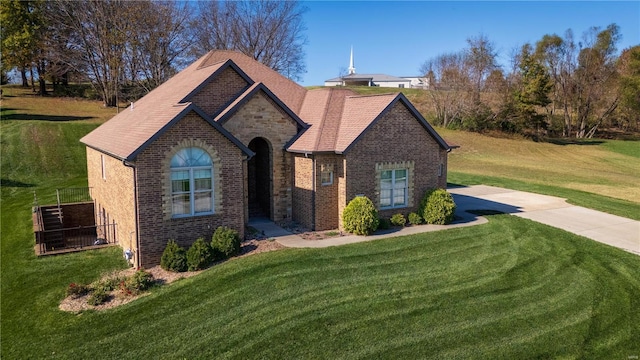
(228, 138)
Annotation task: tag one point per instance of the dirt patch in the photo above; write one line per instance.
(161, 277)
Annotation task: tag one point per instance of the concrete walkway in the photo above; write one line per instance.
(609, 229)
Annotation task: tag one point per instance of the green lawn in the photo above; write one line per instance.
(511, 288)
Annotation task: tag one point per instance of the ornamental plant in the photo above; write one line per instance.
(199, 255)
(225, 243)
(437, 207)
(360, 216)
(398, 220)
(415, 219)
(174, 258)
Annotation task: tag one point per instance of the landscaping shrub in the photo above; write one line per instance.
(384, 224)
(199, 255)
(398, 220)
(77, 290)
(415, 219)
(225, 243)
(97, 297)
(173, 258)
(141, 280)
(108, 284)
(437, 207)
(360, 216)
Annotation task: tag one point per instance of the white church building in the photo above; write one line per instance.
(381, 80)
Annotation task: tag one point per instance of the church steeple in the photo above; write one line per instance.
(352, 69)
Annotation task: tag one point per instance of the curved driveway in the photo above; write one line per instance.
(609, 229)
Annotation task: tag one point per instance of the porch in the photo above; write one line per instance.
(70, 225)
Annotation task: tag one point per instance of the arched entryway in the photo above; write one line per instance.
(259, 179)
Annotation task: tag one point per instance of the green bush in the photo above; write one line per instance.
(141, 280)
(108, 284)
(225, 243)
(199, 255)
(398, 220)
(437, 207)
(384, 224)
(97, 297)
(415, 219)
(173, 258)
(77, 290)
(360, 216)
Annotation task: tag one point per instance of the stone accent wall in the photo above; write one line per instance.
(153, 170)
(113, 196)
(220, 91)
(396, 137)
(303, 191)
(261, 117)
(326, 199)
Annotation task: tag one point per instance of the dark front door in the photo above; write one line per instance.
(259, 178)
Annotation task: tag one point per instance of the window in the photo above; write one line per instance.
(326, 177)
(104, 167)
(191, 183)
(401, 85)
(393, 188)
(441, 170)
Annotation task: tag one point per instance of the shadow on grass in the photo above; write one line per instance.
(13, 183)
(44, 117)
(574, 142)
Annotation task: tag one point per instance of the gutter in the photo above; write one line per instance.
(135, 205)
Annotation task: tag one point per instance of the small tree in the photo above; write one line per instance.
(360, 216)
(199, 255)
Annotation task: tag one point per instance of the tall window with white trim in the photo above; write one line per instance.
(393, 188)
(191, 183)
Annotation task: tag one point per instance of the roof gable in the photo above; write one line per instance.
(237, 104)
(220, 67)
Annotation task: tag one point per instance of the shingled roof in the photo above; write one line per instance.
(332, 119)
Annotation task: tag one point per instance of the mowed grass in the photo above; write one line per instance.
(509, 289)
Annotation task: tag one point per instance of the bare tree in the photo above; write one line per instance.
(480, 58)
(271, 32)
(448, 87)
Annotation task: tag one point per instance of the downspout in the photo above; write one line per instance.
(135, 206)
(313, 191)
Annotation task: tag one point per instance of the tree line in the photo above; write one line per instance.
(559, 86)
(124, 49)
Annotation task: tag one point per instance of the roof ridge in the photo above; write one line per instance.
(322, 119)
(372, 95)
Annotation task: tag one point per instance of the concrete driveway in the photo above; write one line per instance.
(609, 229)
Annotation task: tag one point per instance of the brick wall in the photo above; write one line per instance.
(396, 137)
(261, 117)
(220, 91)
(153, 174)
(326, 199)
(113, 196)
(303, 191)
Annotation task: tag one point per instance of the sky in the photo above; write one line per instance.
(396, 38)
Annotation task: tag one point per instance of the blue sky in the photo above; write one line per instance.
(395, 38)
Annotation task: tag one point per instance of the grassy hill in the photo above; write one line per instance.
(508, 289)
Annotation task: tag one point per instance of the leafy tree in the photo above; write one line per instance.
(629, 69)
(535, 85)
(271, 32)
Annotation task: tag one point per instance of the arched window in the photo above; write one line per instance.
(191, 183)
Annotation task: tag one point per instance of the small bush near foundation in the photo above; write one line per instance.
(140, 281)
(77, 290)
(173, 258)
(360, 216)
(415, 219)
(108, 284)
(437, 207)
(199, 255)
(97, 297)
(398, 220)
(384, 224)
(225, 243)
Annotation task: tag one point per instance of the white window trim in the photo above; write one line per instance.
(440, 170)
(192, 191)
(393, 184)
